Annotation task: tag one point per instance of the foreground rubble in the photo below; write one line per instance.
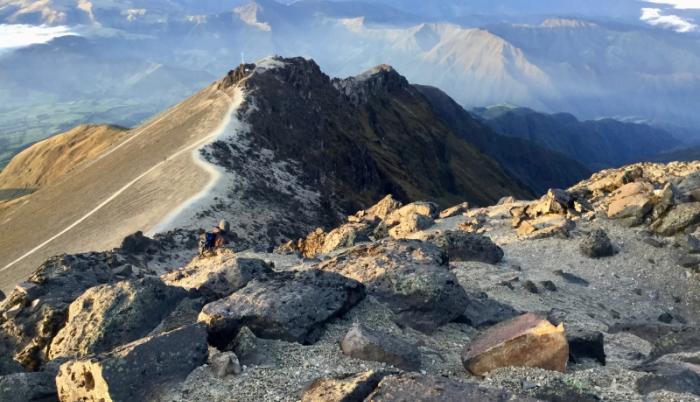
(586, 294)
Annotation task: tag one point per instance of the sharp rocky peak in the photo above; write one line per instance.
(301, 73)
(377, 80)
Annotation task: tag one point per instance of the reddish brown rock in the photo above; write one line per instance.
(524, 341)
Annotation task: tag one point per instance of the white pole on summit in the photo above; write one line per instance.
(242, 58)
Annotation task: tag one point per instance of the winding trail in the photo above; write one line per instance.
(136, 185)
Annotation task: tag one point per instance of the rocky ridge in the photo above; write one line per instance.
(427, 312)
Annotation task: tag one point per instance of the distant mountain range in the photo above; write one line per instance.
(586, 64)
(598, 144)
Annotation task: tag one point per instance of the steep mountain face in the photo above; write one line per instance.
(534, 165)
(596, 143)
(284, 149)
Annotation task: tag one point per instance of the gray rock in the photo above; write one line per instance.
(689, 261)
(426, 388)
(223, 364)
(462, 246)
(137, 243)
(9, 366)
(107, 316)
(28, 387)
(561, 390)
(678, 219)
(689, 242)
(597, 245)
(349, 388)
(218, 276)
(531, 287)
(483, 312)
(675, 376)
(137, 371)
(288, 306)
(665, 338)
(686, 186)
(362, 343)
(2, 295)
(411, 276)
(571, 278)
(549, 285)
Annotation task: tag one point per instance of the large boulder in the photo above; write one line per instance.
(362, 343)
(633, 200)
(427, 388)
(137, 371)
(597, 245)
(462, 246)
(348, 388)
(108, 316)
(524, 341)
(218, 276)
(291, 306)
(413, 277)
(28, 387)
(678, 219)
(35, 311)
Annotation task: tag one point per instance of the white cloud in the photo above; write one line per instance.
(679, 4)
(20, 35)
(654, 16)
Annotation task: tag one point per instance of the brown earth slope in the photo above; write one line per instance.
(51, 159)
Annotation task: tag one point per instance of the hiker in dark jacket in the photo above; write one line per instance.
(209, 242)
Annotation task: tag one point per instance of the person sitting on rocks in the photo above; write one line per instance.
(209, 242)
